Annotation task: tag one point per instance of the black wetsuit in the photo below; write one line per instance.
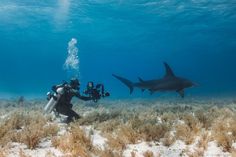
(64, 105)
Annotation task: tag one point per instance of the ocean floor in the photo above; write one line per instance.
(191, 127)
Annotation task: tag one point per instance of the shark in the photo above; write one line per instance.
(170, 82)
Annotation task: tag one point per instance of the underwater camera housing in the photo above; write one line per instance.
(96, 92)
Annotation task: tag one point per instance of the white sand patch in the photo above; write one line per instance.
(178, 149)
(214, 150)
(174, 150)
(234, 145)
(4, 116)
(178, 122)
(159, 120)
(62, 129)
(97, 139)
(194, 146)
(44, 149)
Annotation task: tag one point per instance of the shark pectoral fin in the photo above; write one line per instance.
(181, 93)
(151, 91)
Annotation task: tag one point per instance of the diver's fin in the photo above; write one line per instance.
(169, 72)
(181, 93)
(141, 80)
(126, 82)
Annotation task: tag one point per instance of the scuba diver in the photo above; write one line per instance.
(60, 99)
(96, 92)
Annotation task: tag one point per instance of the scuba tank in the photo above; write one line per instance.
(53, 100)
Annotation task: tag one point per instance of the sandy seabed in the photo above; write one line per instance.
(191, 127)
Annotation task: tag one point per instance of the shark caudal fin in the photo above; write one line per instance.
(126, 82)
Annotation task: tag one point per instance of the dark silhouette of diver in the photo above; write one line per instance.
(64, 105)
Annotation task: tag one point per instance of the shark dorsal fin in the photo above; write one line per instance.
(169, 72)
(141, 80)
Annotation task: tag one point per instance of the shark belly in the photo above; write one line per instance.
(167, 86)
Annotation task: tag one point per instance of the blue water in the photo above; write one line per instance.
(128, 37)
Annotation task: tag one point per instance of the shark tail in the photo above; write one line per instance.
(127, 82)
